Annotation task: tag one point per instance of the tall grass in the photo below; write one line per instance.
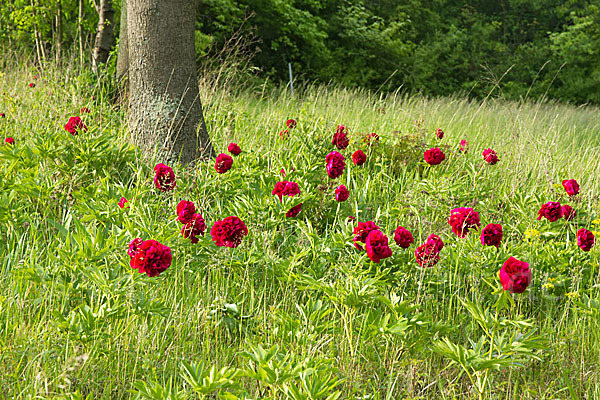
(76, 321)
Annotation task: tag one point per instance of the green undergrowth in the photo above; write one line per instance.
(295, 311)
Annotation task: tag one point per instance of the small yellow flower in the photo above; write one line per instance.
(547, 286)
(572, 295)
(531, 234)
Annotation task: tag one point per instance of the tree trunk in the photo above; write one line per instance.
(165, 114)
(80, 32)
(123, 52)
(38, 39)
(104, 33)
(58, 41)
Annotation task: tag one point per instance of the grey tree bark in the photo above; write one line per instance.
(123, 51)
(80, 32)
(104, 33)
(58, 41)
(165, 114)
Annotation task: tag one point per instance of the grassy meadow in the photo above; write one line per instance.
(295, 312)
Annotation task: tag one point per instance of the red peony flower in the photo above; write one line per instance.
(342, 193)
(291, 189)
(185, 211)
(234, 149)
(436, 240)
(164, 180)
(462, 219)
(427, 255)
(434, 156)
(84, 110)
(552, 211)
(2, 115)
(229, 232)
(282, 172)
(32, 85)
(291, 123)
(403, 237)
(571, 186)
(464, 146)
(568, 212)
(362, 231)
(223, 163)
(74, 125)
(335, 164)
(294, 211)
(340, 138)
(439, 133)
(585, 239)
(134, 245)
(151, 258)
(279, 188)
(515, 275)
(194, 227)
(285, 188)
(491, 235)
(122, 202)
(359, 158)
(377, 247)
(284, 133)
(9, 140)
(370, 138)
(490, 156)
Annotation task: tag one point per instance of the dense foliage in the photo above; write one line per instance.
(280, 271)
(517, 48)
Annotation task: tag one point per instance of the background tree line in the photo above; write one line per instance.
(533, 48)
